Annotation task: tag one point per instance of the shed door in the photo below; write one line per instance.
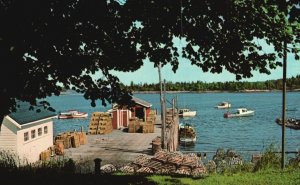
(125, 118)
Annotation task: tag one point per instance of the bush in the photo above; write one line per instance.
(8, 160)
(227, 161)
(295, 162)
(269, 160)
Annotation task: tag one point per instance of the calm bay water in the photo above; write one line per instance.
(246, 135)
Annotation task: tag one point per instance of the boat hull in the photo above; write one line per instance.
(188, 114)
(233, 115)
(290, 123)
(72, 115)
(188, 140)
(223, 107)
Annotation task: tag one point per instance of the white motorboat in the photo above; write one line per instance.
(241, 112)
(72, 114)
(186, 113)
(223, 105)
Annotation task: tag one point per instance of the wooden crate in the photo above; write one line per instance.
(93, 127)
(104, 118)
(152, 112)
(148, 128)
(131, 127)
(92, 132)
(96, 114)
(101, 123)
(94, 122)
(94, 119)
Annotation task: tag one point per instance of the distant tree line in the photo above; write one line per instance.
(292, 83)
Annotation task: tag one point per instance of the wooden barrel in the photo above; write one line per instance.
(84, 138)
(45, 155)
(67, 141)
(156, 145)
(75, 141)
(59, 147)
(80, 134)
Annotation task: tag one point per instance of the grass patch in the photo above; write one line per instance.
(262, 177)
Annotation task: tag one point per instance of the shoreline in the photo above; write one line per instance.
(200, 92)
(216, 91)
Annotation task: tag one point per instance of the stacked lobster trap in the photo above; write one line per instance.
(100, 123)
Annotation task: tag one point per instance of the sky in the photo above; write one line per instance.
(188, 73)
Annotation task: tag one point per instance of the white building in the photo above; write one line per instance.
(27, 133)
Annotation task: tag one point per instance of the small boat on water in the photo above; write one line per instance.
(241, 112)
(292, 123)
(187, 134)
(223, 105)
(186, 113)
(291, 109)
(72, 114)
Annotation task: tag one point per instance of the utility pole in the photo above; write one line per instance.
(163, 146)
(165, 115)
(283, 105)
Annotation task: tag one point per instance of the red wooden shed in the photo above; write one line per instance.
(121, 116)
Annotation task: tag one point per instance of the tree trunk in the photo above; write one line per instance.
(1, 120)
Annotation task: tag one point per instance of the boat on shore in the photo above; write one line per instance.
(240, 112)
(187, 134)
(72, 114)
(223, 105)
(186, 113)
(292, 123)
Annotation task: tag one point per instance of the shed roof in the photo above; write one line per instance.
(23, 115)
(141, 102)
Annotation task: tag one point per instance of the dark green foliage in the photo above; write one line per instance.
(214, 35)
(295, 162)
(228, 161)
(50, 46)
(47, 47)
(292, 83)
(270, 159)
(8, 161)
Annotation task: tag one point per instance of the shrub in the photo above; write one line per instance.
(8, 160)
(295, 162)
(269, 160)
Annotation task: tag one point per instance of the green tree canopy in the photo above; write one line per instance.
(218, 35)
(45, 44)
